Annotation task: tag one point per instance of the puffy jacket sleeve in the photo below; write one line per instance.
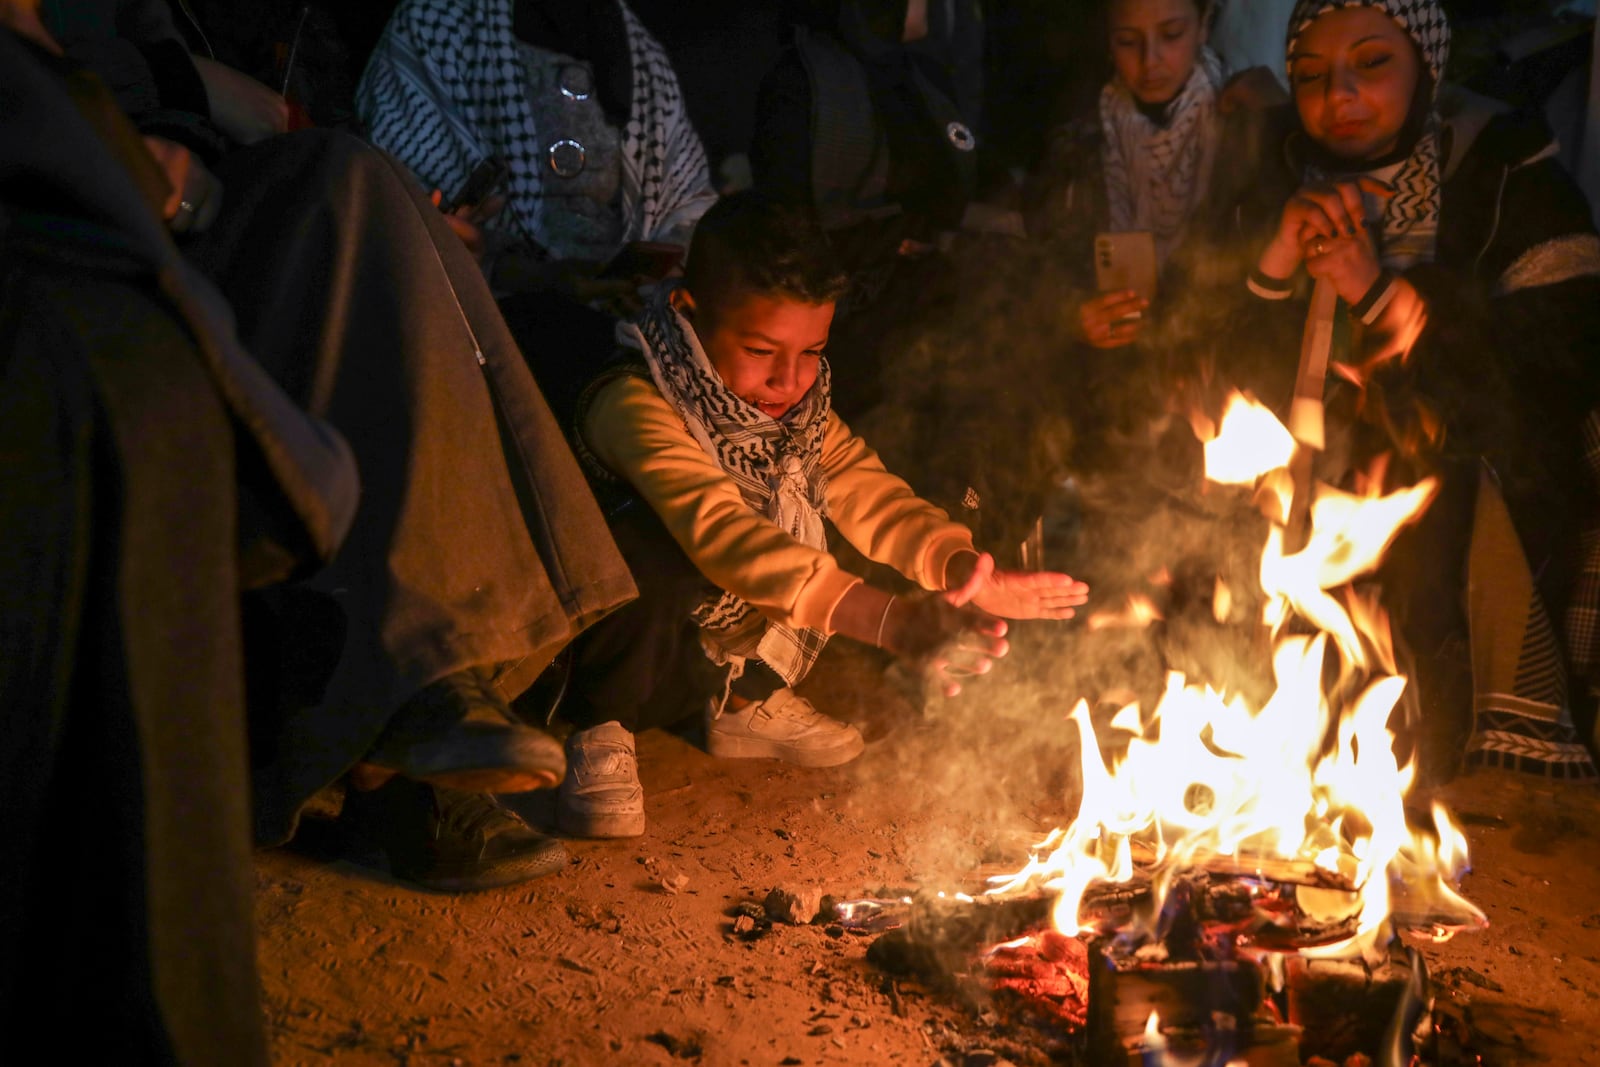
(637, 435)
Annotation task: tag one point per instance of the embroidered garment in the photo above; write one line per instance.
(1411, 216)
(776, 463)
(1157, 174)
(444, 90)
(1522, 711)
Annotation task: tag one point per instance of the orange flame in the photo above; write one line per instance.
(1214, 776)
(1140, 611)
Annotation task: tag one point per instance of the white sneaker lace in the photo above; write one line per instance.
(785, 704)
(607, 760)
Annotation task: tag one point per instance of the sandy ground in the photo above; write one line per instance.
(630, 955)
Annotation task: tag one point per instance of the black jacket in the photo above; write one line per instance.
(1509, 359)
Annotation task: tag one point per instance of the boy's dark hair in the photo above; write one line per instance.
(751, 243)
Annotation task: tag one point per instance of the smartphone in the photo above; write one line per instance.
(485, 179)
(643, 259)
(1126, 261)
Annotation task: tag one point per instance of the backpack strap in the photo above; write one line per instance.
(849, 151)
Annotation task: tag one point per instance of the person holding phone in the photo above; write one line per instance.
(1135, 188)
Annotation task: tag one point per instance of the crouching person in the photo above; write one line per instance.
(713, 435)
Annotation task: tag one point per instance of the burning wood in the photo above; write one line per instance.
(1231, 848)
(1048, 974)
(1302, 791)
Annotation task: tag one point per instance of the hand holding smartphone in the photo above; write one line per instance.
(484, 181)
(1126, 261)
(1125, 276)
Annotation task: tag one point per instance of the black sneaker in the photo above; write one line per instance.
(459, 733)
(448, 840)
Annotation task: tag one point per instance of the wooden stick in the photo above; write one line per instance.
(1306, 409)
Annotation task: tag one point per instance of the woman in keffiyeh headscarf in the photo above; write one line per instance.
(1468, 272)
(1147, 160)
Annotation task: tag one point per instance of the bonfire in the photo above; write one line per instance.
(1223, 834)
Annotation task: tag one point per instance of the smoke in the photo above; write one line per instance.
(983, 386)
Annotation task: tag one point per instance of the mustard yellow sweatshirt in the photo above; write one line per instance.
(632, 429)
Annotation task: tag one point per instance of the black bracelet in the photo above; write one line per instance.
(1376, 298)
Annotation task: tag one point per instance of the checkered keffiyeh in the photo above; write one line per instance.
(1157, 175)
(1423, 20)
(776, 463)
(443, 91)
(1522, 707)
(1583, 611)
(1413, 212)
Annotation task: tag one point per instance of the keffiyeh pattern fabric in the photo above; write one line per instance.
(1156, 175)
(776, 463)
(443, 90)
(1423, 20)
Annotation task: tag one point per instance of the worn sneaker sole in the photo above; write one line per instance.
(546, 860)
(369, 776)
(488, 763)
(743, 746)
(598, 824)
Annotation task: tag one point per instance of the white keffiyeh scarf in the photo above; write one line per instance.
(776, 463)
(1156, 175)
(443, 91)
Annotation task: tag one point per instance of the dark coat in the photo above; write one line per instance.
(1504, 372)
(1511, 351)
(152, 471)
(478, 542)
(135, 48)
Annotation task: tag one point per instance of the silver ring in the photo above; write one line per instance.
(567, 158)
(575, 82)
(184, 205)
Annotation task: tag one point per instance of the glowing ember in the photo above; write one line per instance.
(1308, 782)
(1139, 612)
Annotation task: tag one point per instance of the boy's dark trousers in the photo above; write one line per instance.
(643, 665)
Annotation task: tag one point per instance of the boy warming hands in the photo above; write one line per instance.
(715, 440)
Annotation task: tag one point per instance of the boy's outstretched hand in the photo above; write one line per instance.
(949, 639)
(961, 632)
(1013, 594)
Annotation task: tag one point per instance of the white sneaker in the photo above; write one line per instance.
(601, 795)
(783, 726)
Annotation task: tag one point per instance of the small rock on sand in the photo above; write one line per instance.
(793, 904)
